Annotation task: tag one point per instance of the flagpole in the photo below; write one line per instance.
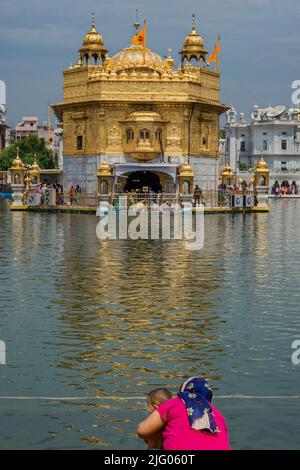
(145, 42)
(219, 55)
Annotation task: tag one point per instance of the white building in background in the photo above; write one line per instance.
(32, 126)
(275, 131)
(3, 125)
(58, 145)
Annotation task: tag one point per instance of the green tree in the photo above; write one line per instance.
(28, 147)
(244, 167)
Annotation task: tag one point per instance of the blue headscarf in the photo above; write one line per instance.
(197, 396)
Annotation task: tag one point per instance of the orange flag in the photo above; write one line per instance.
(216, 52)
(140, 38)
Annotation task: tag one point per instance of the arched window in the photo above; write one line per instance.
(185, 61)
(145, 134)
(129, 135)
(193, 61)
(95, 57)
(158, 134)
(79, 142)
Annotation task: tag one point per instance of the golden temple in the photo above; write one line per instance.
(140, 114)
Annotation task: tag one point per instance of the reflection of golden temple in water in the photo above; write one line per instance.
(141, 114)
(124, 320)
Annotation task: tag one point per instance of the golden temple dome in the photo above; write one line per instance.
(193, 41)
(133, 56)
(93, 38)
(104, 169)
(186, 170)
(18, 162)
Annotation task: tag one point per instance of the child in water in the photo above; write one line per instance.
(154, 399)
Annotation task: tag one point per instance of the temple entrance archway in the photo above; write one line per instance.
(143, 179)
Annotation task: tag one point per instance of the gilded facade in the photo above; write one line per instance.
(139, 113)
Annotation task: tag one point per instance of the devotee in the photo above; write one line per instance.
(189, 421)
(72, 194)
(197, 195)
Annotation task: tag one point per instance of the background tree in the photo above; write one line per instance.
(27, 149)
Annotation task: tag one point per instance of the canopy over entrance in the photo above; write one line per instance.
(125, 168)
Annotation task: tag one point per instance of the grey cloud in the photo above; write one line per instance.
(259, 43)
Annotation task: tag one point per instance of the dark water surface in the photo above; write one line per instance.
(87, 318)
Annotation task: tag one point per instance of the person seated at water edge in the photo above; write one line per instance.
(189, 421)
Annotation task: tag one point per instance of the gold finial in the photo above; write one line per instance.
(194, 22)
(137, 24)
(170, 52)
(93, 20)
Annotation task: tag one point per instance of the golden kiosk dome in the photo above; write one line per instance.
(34, 169)
(262, 165)
(193, 47)
(93, 51)
(93, 38)
(18, 162)
(193, 41)
(104, 169)
(227, 170)
(186, 170)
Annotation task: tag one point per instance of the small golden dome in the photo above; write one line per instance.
(169, 61)
(133, 56)
(93, 38)
(193, 41)
(104, 169)
(186, 170)
(18, 162)
(262, 164)
(227, 170)
(34, 169)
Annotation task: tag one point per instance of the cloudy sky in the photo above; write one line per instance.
(260, 44)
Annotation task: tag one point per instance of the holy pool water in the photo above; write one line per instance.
(84, 318)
